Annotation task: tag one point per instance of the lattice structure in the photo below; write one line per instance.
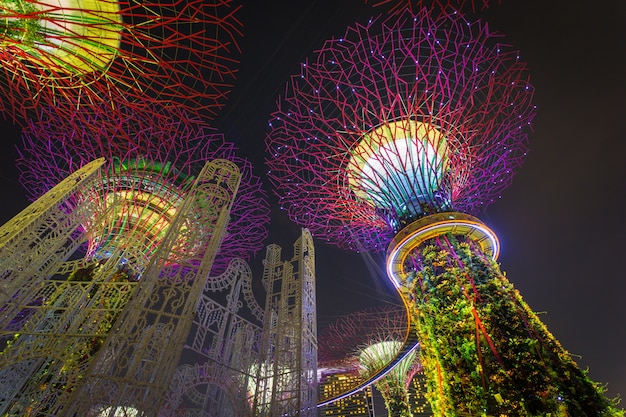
(88, 52)
(161, 142)
(365, 342)
(389, 123)
(133, 368)
(389, 133)
(222, 349)
(32, 247)
(44, 234)
(54, 327)
(286, 377)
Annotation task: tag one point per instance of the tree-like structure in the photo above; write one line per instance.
(151, 152)
(183, 51)
(367, 341)
(391, 136)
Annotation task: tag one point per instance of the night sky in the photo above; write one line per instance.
(562, 222)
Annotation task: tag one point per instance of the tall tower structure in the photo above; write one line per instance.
(286, 382)
(133, 369)
(75, 53)
(393, 137)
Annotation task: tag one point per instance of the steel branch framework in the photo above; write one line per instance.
(182, 51)
(396, 120)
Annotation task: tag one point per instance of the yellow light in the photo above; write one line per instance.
(80, 36)
(392, 148)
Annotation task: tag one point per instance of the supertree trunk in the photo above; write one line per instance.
(484, 350)
(396, 398)
(397, 402)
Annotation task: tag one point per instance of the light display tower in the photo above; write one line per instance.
(367, 341)
(87, 51)
(126, 219)
(391, 136)
(286, 375)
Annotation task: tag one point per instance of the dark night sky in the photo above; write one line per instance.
(561, 223)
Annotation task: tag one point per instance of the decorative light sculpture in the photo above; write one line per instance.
(368, 340)
(85, 52)
(150, 152)
(390, 136)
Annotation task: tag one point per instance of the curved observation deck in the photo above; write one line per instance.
(402, 245)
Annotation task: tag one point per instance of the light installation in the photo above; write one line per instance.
(222, 347)
(85, 51)
(367, 341)
(148, 219)
(285, 379)
(396, 135)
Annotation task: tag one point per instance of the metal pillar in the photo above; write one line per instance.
(287, 374)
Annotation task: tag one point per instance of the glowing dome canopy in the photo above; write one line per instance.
(399, 165)
(79, 36)
(77, 54)
(403, 117)
(135, 206)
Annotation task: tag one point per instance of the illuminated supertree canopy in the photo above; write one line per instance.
(368, 340)
(382, 128)
(152, 153)
(394, 137)
(174, 50)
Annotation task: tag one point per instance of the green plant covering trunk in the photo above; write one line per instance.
(396, 399)
(484, 351)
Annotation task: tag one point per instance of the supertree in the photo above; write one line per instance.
(165, 141)
(176, 50)
(397, 134)
(367, 341)
(129, 215)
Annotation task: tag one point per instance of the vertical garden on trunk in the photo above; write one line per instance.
(484, 350)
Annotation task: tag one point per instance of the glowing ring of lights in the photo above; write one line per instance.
(430, 227)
